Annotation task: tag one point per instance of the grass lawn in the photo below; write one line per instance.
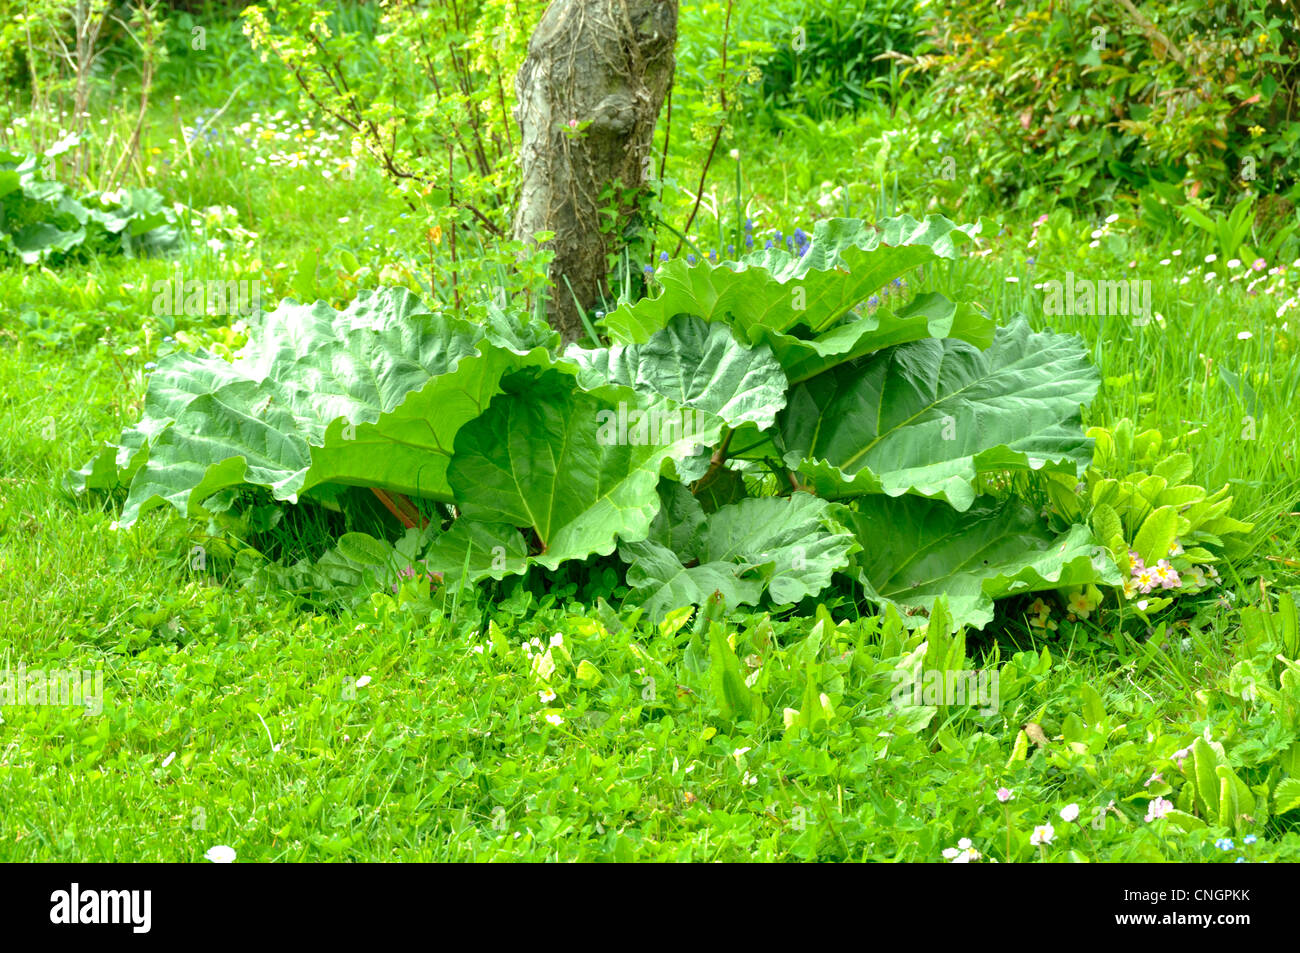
(541, 722)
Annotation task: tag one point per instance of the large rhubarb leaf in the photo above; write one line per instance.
(930, 416)
(473, 550)
(797, 539)
(661, 583)
(679, 519)
(695, 364)
(33, 243)
(541, 459)
(369, 396)
(342, 573)
(788, 547)
(928, 315)
(773, 290)
(915, 550)
(41, 218)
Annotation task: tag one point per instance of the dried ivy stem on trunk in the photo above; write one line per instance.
(607, 64)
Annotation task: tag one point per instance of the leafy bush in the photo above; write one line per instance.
(752, 432)
(1134, 504)
(41, 219)
(1084, 98)
(1166, 535)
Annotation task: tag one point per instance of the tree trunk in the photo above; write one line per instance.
(606, 64)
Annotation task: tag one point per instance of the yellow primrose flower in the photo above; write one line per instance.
(1256, 131)
(1079, 604)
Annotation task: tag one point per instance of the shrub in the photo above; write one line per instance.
(1084, 98)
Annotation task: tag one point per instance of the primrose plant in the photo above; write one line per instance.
(755, 430)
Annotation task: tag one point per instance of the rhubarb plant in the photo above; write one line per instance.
(43, 220)
(758, 429)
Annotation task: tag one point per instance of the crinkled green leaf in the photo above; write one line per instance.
(660, 583)
(697, 365)
(915, 550)
(132, 211)
(365, 550)
(679, 518)
(517, 330)
(928, 315)
(929, 416)
(369, 396)
(1159, 530)
(787, 546)
(774, 290)
(345, 568)
(34, 242)
(797, 536)
(42, 217)
(719, 486)
(538, 459)
(476, 550)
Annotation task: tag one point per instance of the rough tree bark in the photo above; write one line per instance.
(604, 62)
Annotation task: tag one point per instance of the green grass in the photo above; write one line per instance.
(235, 716)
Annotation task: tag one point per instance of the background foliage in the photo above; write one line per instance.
(291, 680)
